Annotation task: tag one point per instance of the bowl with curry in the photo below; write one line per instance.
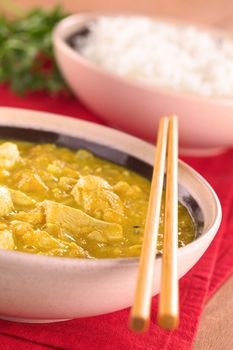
(73, 203)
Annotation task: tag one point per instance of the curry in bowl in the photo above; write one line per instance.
(63, 287)
(61, 202)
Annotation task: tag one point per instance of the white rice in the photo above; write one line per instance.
(183, 58)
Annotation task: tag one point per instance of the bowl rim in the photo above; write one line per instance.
(76, 262)
(59, 41)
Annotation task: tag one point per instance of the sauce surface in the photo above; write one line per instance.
(59, 202)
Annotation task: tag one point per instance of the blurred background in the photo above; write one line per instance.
(216, 12)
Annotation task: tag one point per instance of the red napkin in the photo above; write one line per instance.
(110, 331)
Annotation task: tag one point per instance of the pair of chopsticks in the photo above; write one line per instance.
(166, 158)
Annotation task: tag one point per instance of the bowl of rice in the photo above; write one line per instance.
(131, 70)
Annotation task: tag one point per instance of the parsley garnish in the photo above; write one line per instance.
(26, 53)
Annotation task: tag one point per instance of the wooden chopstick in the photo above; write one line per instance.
(140, 312)
(168, 314)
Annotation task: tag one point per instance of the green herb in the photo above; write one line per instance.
(26, 53)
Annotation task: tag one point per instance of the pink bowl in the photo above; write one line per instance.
(206, 123)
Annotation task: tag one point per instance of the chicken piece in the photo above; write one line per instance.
(83, 154)
(124, 189)
(56, 167)
(4, 174)
(31, 182)
(6, 240)
(43, 242)
(6, 204)
(96, 197)
(121, 187)
(9, 154)
(21, 199)
(53, 229)
(34, 217)
(66, 183)
(77, 223)
(76, 251)
(19, 228)
(92, 183)
(96, 236)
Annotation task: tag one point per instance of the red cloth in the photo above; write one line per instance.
(110, 331)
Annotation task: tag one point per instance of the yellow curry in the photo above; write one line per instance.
(59, 202)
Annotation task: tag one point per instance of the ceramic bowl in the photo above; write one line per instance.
(206, 123)
(39, 288)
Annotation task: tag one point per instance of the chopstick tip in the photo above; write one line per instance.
(169, 322)
(138, 324)
(174, 118)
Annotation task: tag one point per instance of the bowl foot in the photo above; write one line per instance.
(202, 152)
(29, 320)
